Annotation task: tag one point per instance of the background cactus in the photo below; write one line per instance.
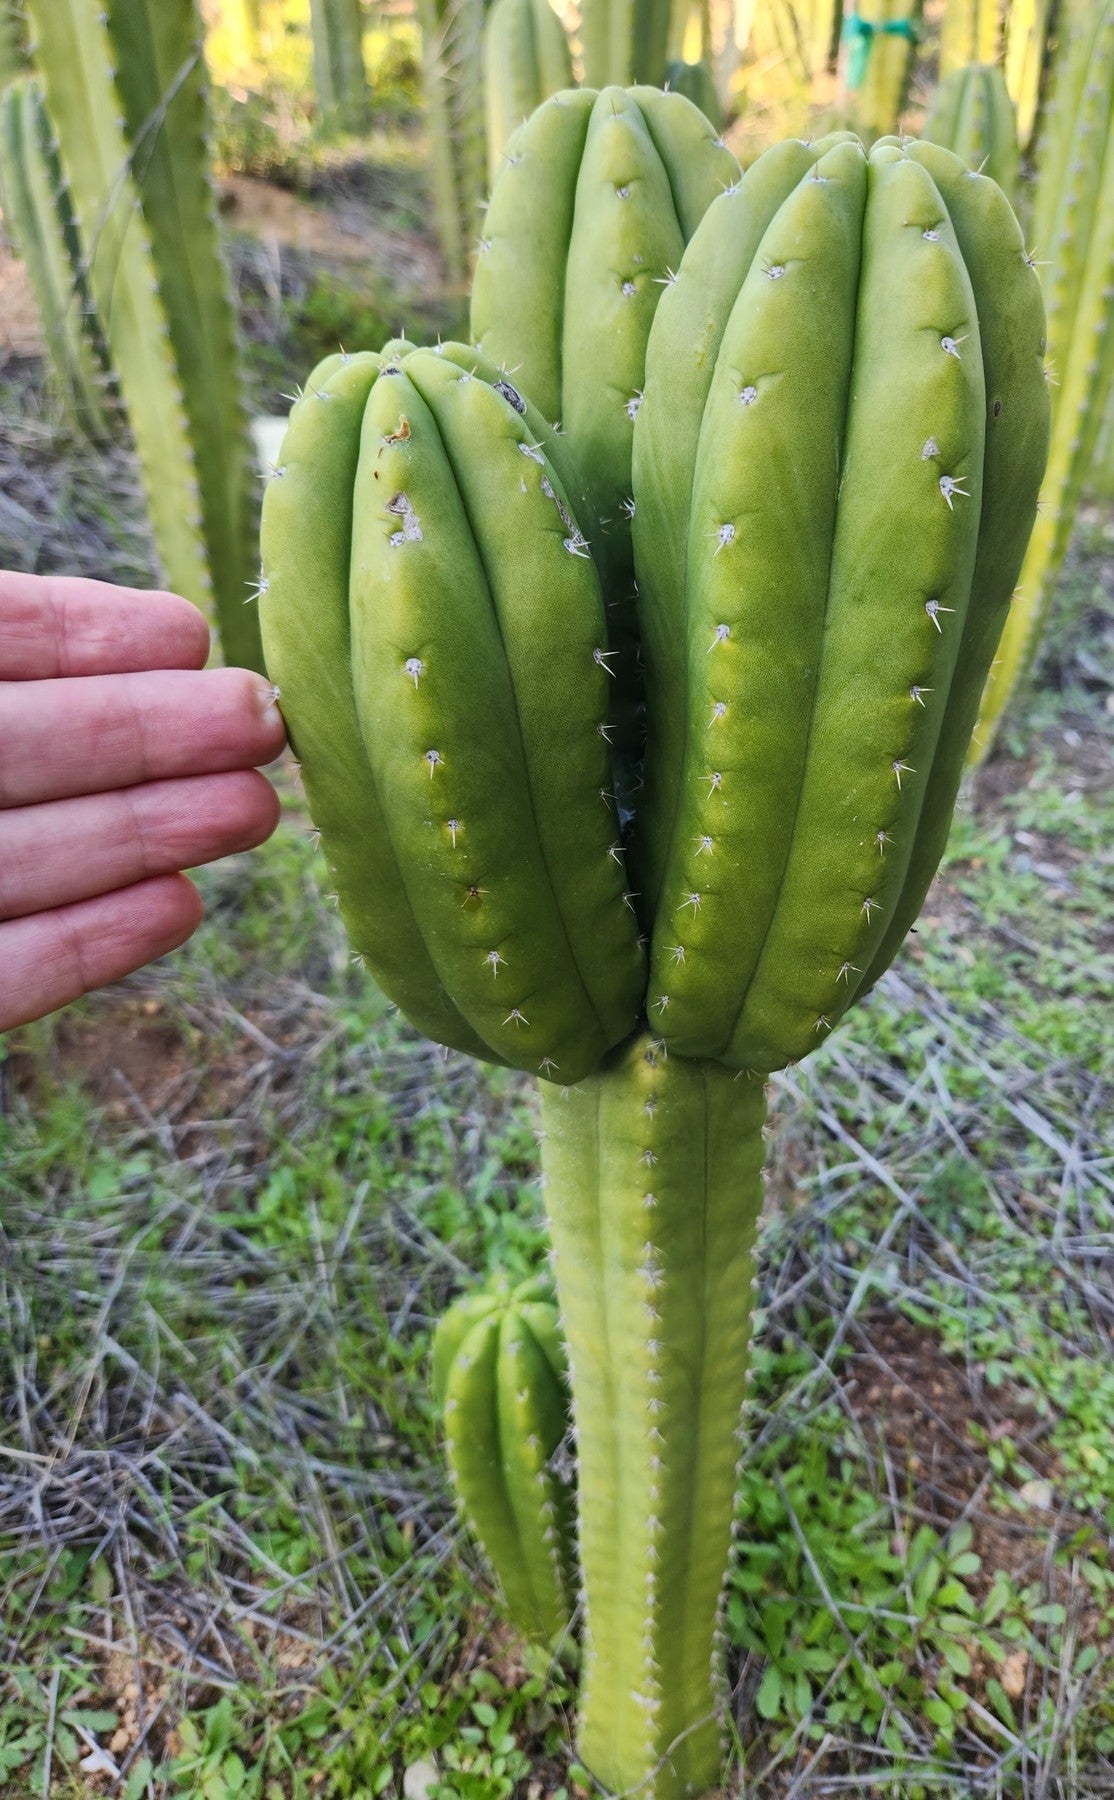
(452, 74)
(500, 1381)
(1029, 24)
(696, 83)
(338, 63)
(13, 42)
(972, 114)
(39, 215)
(625, 41)
(970, 32)
(1072, 229)
(880, 45)
(816, 630)
(126, 96)
(526, 58)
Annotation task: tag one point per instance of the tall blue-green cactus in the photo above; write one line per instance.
(842, 430)
(625, 41)
(500, 1379)
(1072, 230)
(39, 215)
(125, 90)
(972, 114)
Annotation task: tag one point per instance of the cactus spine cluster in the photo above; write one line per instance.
(880, 45)
(500, 1380)
(526, 58)
(338, 63)
(970, 32)
(39, 214)
(125, 94)
(1072, 230)
(972, 114)
(816, 630)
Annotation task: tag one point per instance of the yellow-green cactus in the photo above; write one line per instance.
(526, 58)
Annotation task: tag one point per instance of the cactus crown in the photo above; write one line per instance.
(833, 462)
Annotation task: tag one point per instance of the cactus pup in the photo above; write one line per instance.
(972, 114)
(842, 430)
(1072, 227)
(501, 1383)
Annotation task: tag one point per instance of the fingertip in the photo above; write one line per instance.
(171, 909)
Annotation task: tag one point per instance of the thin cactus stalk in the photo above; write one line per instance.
(653, 1188)
(970, 32)
(1073, 235)
(526, 59)
(453, 72)
(39, 215)
(816, 629)
(695, 82)
(880, 40)
(500, 1381)
(125, 92)
(802, 33)
(338, 63)
(972, 114)
(1029, 28)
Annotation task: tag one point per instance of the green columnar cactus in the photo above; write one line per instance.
(835, 464)
(972, 114)
(1073, 233)
(1029, 24)
(453, 73)
(526, 58)
(39, 215)
(501, 1383)
(880, 38)
(970, 32)
(625, 41)
(622, 179)
(803, 33)
(653, 1183)
(694, 81)
(338, 63)
(125, 93)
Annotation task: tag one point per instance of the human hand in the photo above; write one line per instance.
(123, 760)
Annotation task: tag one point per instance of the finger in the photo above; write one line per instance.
(54, 625)
(68, 850)
(65, 737)
(52, 958)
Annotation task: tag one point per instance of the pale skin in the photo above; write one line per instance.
(123, 761)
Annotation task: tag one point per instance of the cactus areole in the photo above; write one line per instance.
(838, 432)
